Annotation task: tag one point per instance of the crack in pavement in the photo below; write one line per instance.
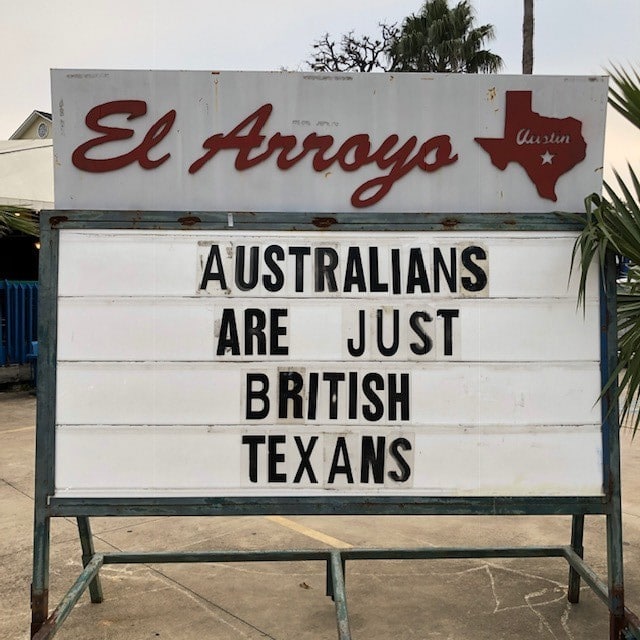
(13, 486)
(211, 606)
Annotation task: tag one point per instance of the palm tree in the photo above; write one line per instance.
(18, 219)
(612, 223)
(439, 39)
(527, 37)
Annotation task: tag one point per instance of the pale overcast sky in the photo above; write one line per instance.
(573, 37)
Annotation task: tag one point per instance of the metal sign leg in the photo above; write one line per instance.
(330, 578)
(615, 580)
(577, 534)
(40, 581)
(339, 595)
(88, 552)
(611, 426)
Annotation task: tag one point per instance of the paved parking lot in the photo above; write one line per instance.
(425, 600)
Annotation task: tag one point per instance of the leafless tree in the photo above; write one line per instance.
(353, 53)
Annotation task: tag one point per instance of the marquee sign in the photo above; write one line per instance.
(326, 142)
(297, 364)
(291, 293)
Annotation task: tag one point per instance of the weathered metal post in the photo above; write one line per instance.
(40, 582)
(44, 472)
(611, 428)
(577, 534)
(88, 552)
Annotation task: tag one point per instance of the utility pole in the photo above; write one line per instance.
(527, 38)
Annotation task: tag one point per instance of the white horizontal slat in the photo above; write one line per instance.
(160, 263)
(121, 263)
(142, 461)
(134, 329)
(439, 393)
(189, 329)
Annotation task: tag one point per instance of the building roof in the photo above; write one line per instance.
(35, 115)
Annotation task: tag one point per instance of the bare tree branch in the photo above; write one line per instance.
(353, 53)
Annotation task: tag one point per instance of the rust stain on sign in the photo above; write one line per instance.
(189, 221)
(323, 223)
(56, 220)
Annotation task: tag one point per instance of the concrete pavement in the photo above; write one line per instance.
(425, 600)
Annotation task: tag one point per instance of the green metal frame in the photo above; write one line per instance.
(623, 623)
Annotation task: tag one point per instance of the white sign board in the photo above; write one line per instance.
(231, 363)
(281, 363)
(244, 141)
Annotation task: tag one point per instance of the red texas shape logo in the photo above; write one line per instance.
(545, 147)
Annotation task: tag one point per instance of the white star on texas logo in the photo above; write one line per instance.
(547, 157)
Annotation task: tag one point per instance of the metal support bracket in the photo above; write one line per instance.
(88, 553)
(577, 535)
(335, 562)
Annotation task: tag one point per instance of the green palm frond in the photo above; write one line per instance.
(18, 219)
(625, 96)
(443, 39)
(591, 242)
(613, 224)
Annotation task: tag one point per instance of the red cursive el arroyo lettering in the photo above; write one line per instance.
(140, 154)
(355, 152)
(247, 138)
